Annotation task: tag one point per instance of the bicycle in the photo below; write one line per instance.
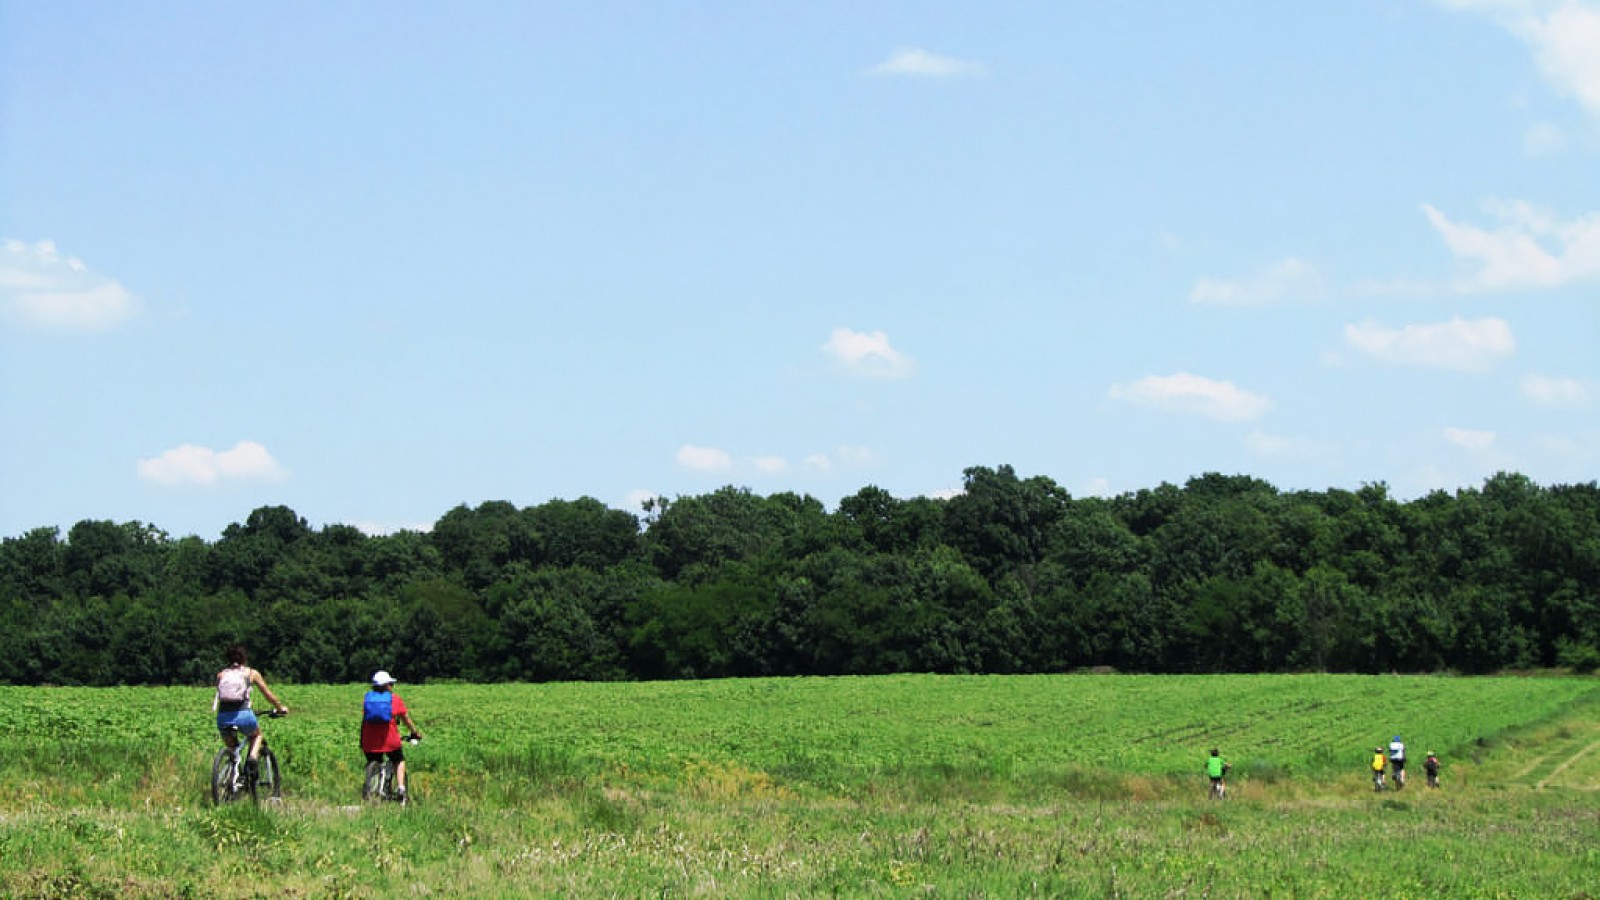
(379, 784)
(230, 776)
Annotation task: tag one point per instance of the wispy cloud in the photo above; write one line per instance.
(704, 459)
(1288, 279)
(918, 63)
(193, 464)
(1544, 139)
(1469, 439)
(867, 353)
(41, 288)
(1193, 395)
(847, 456)
(771, 465)
(1559, 393)
(1564, 38)
(373, 528)
(635, 500)
(1531, 248)
(1276, 446)
(1458, 344)
(1099, 486)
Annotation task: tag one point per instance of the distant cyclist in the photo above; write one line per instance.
(1397, 761)
(1431, 767)
(1379, 761)
(1217, 770)
(232, 703)
(380, 709)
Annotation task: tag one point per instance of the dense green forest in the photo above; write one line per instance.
(1225, 573)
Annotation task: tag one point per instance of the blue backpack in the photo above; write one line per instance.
(378, 707)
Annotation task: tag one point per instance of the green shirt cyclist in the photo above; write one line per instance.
(1217, 770)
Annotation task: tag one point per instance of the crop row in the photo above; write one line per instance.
(817, 732)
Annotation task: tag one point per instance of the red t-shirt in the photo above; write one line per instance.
(382, 737)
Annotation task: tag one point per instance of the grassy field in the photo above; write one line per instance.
(896, 786)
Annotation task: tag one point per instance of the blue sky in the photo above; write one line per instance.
(372, 261)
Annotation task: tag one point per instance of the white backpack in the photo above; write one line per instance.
(234, 685)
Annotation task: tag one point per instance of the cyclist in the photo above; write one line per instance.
(1379, 760)
(232, 704)
(1431, 767)
(1397, 761)
(379, 736)
(1217, 770)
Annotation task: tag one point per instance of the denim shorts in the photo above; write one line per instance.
(243, 719)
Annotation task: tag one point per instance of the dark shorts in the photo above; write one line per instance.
(1397, 764)
(1216, 779)
(395, 756)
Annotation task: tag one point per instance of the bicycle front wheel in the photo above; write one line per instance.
(270, 778)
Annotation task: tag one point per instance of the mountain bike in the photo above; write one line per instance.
(381, 784)
(230, 777)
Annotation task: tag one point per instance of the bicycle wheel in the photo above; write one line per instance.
(224, 777)
(270, 778)
(376, 785)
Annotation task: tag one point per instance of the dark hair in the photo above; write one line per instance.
(1214, 752)
(237, 655)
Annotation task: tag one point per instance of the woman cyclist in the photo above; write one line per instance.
(232, 704)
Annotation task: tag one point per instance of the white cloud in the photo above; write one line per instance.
(867, 353)
(1288, 279)
(945, 493)
(772, 465)
(916, 62)
(193, 464)
(42, 289)
(1192, 394)
(1473, 441)
(1530, 249)
(819, 461)
(1566, 393)
(1563, 36)
(1457, 344)
(704, 459)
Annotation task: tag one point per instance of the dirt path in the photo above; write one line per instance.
(1567, 762)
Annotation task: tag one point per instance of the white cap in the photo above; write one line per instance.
(382, 678)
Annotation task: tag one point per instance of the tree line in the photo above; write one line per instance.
(1222, 574)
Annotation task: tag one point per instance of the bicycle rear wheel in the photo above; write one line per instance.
(376, 785)
(224, 777)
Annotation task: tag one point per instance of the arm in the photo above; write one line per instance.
(410, 725)
(258, 681)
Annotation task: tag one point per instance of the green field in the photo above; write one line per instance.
(1076, 785)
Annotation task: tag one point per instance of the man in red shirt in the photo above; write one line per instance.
(380, 737)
